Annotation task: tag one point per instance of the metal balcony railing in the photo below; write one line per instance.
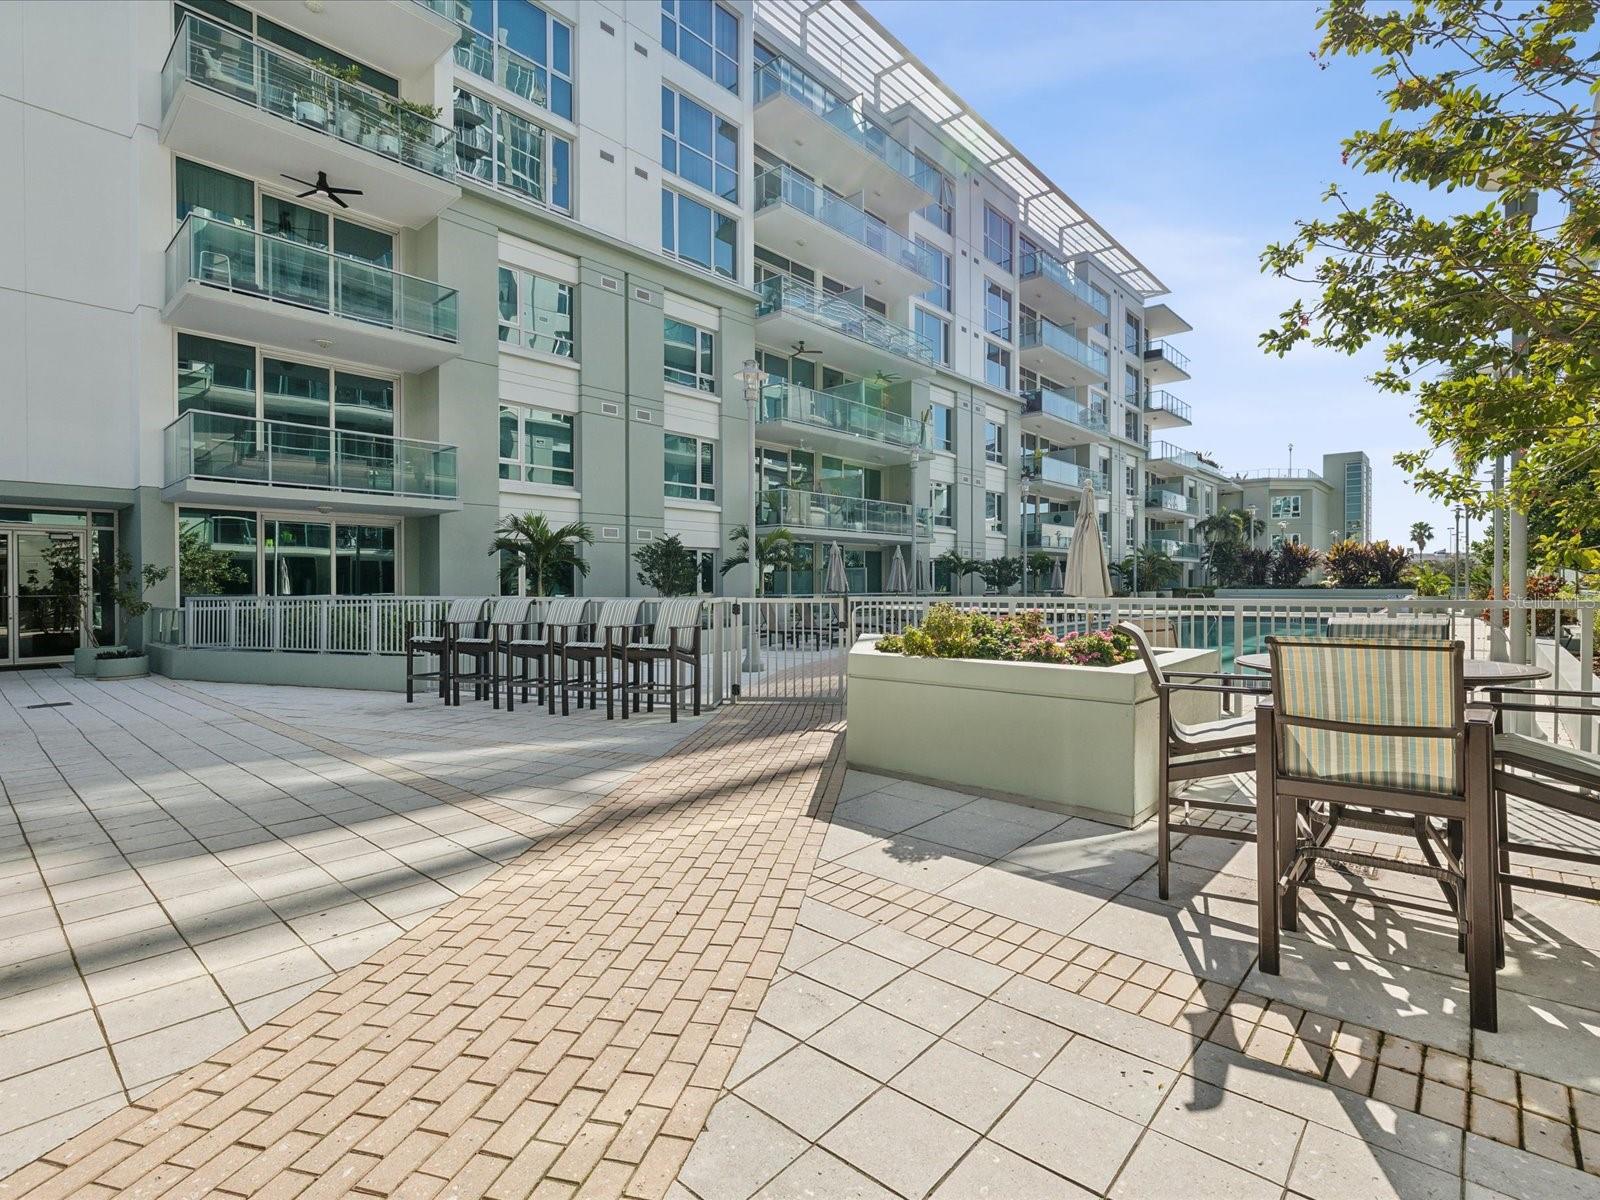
(284, 85)
(1164, 349)
(1165, 401)
(283, 454)
(236, 259)
(854, 416)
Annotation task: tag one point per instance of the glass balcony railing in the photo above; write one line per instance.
(225, 61)
(477, 52)
(1165, 350)
(1173, 502)
(1048, 531)
(781, 293)
(1175, 549)
(781, 185)
(854, 415)
(238, 449)
(1167, 452)
(1038, 332)
(1059, 470)
(782, 78)
(1064, 408)
(1036, 264)
(1164, 401)
(227, 256)
(792, 508)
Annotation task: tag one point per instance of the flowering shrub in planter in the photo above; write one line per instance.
(949, 632)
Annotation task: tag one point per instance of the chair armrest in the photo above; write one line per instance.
(1224, 689)
(1211, 675)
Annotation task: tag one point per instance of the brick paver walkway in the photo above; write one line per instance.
(566, 1024)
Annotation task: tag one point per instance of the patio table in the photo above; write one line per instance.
(1476, 672)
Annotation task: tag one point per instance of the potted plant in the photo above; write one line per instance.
(119, 662)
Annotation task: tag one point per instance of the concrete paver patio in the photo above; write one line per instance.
(704, 961)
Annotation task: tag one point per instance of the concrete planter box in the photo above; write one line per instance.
(83, 658)
(1078, 740)
(122, 668)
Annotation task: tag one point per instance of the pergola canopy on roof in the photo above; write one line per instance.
(844, 38)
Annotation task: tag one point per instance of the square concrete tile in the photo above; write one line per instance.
(818, 1175)
(1011, 1038)
(800, 1006)
(898, 1142)
(991, 1172)
(1087, 854)
(852, 970)
(761, 1045)
(964, 1086)
(739, 1151)
(152, 1055)
(1334, 1166)
(1520, 1175)
(1031, 901)
(1231, 1127)
(976, 832)
(1113, 1079)
(885, 812)
(913, 862)
(1159, 1162)
(1217, 943)
(925, 1001)
(807, 1091)
(972, 974)
(1069, 1136)
(872, 1041)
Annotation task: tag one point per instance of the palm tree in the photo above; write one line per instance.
(774, 551)
(1226, 534)
(542, 550)
(1421, 534)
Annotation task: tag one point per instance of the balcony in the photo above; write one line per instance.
(1045, 474)
(1163, 410)
(1049, 285)
(1174, 549)
(1164, 363)
(402, 37)
(841, 516)
(1171, 502)
(230, 281)
(221, 458)
(1266, 474)
(1051, 350)
(852, 338)
(840, 421)
(831, 140)
(1061, 418)
(260, 111)
(803, 220)
(1167, 460)
(1160, 321)
(1048, 531)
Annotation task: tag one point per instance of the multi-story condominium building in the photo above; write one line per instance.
(312, 293)
(1298, 504)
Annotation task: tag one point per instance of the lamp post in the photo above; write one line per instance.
(1460, 577)
(752, 377)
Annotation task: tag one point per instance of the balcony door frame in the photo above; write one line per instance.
(11, 600)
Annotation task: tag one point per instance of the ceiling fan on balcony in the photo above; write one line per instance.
(324, 187)
(798, 350)
(883, 379)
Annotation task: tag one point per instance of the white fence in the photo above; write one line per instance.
(793, 648)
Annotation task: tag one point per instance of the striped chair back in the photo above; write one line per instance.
(677, 612)
(1420, 627)
(464, 610)
(617, 611)
(1370, 714)
(565, 610)
(513, 610)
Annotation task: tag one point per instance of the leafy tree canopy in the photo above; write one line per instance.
(1483, 95)
(668, 566)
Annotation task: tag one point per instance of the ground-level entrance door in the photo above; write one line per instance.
(40, 615)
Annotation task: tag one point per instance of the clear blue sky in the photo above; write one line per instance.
(1195, 133)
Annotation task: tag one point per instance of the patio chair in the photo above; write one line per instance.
(1198, 750)
(591, 653)
(433, 636)
(480, 646)
(673, 638)
(1562, 778)
(1377, 736)
(526, 647)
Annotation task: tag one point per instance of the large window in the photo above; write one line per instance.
(994, 512)
(942, 421)
(233, 553)
(690, 356)
(935, 331)
(939, 293)
(705, 35)
(536, 446)
(996, 310)
(690, 469)
(699, 146)
(944, 505)
(535, 312)
(222, 377)
(696, 233)
(997, 366)
(997, 237)
(942, 212)
(521, 47)
(994, 442)
(508, 152)
(1285, 507)
(1130, 333)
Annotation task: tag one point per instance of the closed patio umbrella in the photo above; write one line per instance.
(1087, 574)
(1055, 576)
(898, 582)
(835, 581)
